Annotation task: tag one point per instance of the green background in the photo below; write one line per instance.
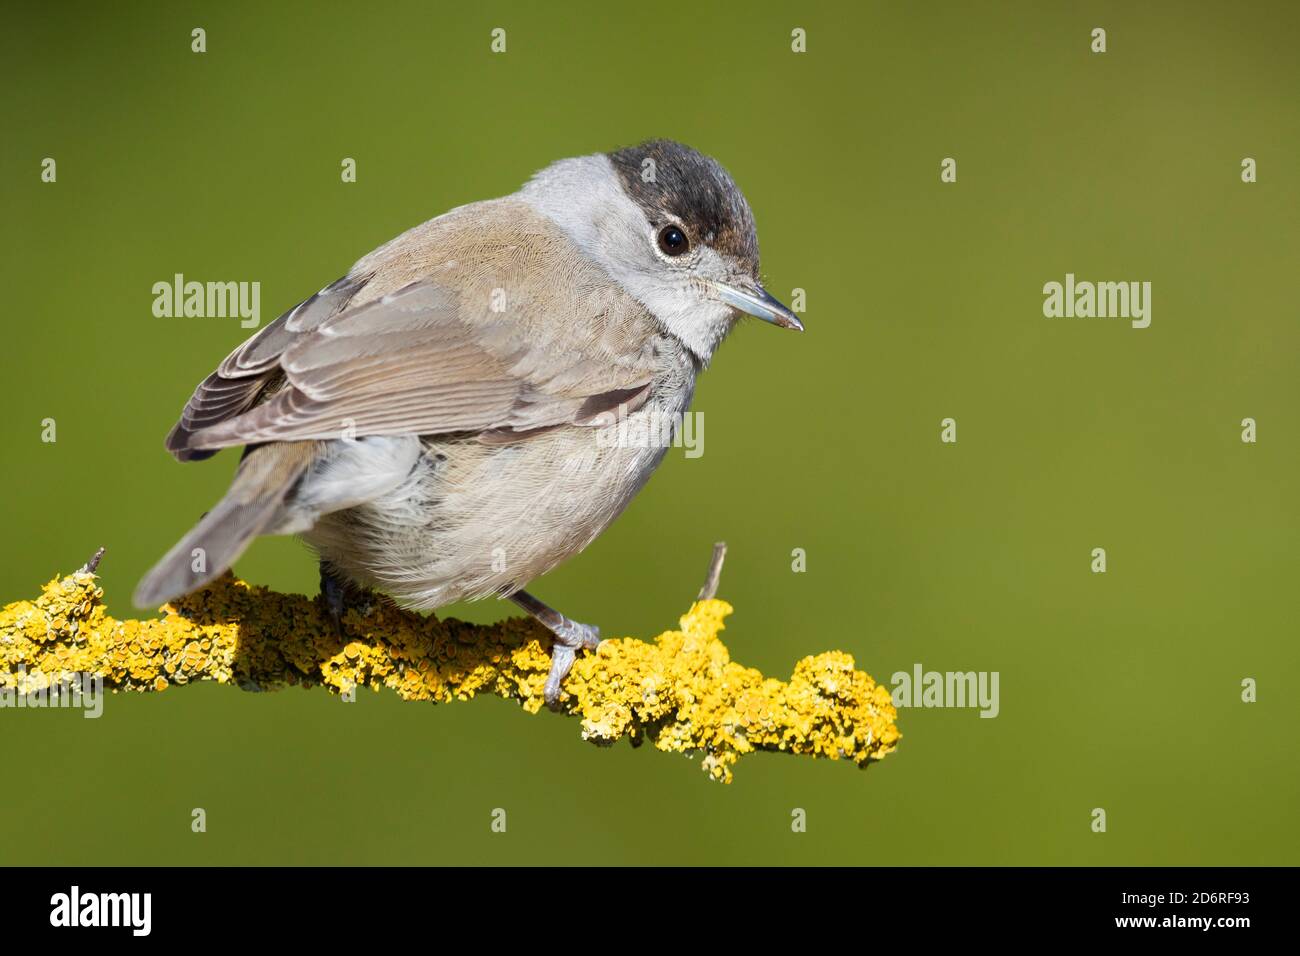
(1118, 690)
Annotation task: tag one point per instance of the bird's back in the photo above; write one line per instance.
(484, 374)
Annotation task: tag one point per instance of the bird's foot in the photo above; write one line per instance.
(340, 595)
(570, 637)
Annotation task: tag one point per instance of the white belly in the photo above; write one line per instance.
(473, 520)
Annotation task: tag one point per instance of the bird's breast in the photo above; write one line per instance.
(476, 519)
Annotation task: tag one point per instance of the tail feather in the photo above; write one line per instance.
(253, 504)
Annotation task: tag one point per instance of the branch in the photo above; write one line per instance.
(682, 692)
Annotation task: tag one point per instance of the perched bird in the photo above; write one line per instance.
(441, 423)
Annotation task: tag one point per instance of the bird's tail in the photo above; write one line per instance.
(253, 505)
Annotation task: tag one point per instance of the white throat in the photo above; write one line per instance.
(585, 199)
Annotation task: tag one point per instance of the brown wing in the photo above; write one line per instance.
(437, 355)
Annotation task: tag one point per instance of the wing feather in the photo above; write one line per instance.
(250, 371)
(407, 345)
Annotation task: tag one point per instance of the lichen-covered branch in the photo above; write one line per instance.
(681, 692)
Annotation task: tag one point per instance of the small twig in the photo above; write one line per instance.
(90, 566)
(679, 692)
(710, 588)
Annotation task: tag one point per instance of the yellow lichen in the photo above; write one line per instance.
(681, 693)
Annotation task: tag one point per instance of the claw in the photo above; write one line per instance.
(564, 652)
(339, 594)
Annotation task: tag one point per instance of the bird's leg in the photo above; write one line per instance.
(570, 637)
(339, 594)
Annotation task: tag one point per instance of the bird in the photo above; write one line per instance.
(441, 423)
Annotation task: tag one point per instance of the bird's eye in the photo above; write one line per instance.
(673, 241)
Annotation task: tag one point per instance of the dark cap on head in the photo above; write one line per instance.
(686, 185)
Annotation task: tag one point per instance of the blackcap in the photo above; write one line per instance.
(441, 424)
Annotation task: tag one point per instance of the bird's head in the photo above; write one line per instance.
(671, 226)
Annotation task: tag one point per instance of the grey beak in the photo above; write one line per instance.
(759, 304)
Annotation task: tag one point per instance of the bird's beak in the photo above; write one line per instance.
(758, 303)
